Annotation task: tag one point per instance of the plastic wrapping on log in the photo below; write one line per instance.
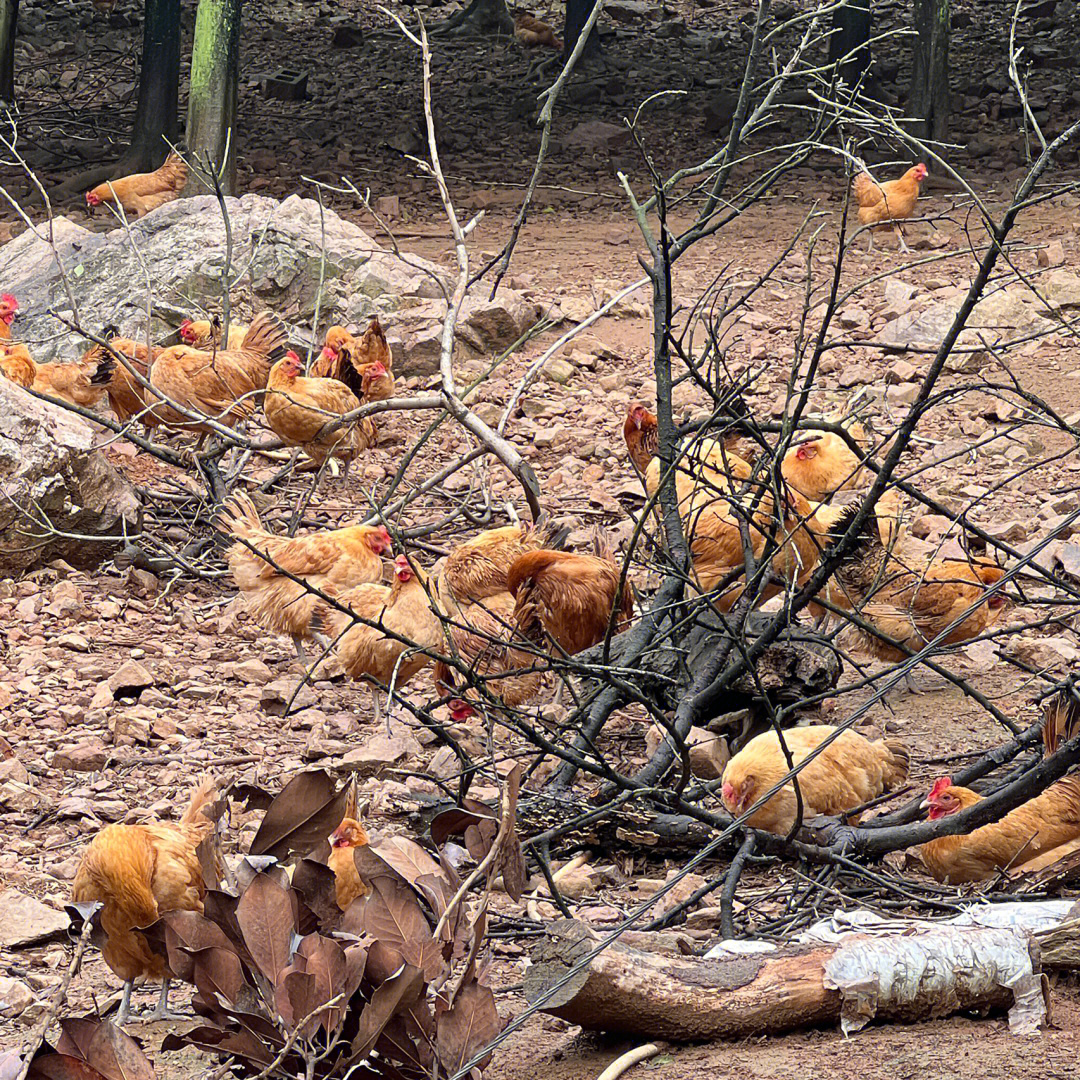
(934, 972)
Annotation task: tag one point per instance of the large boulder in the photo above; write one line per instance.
(54, 482)
(278, 251)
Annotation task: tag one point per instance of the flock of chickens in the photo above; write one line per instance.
(502, 606)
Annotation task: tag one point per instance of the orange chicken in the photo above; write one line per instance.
(298, 408)
(222, 386)
(1024, 835)
(888, 202)
(850, 771)
(17, 364)
(567, 598)
(9, 306)
(83, 382)
(344, 840)
(345, 358)
(820, 465)
(142, 192)
(202, 333)
(139, 872)
(531, 32)
(912, 607)
(403, 610)
(336, 559)
(376, 383)
(127, 396)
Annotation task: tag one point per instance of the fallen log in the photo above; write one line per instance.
(903, 977)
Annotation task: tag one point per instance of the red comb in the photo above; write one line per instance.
(290, 355)
(940, 785)
(10, 300)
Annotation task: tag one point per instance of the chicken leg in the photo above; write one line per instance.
(903, 246)
(161, 1009)
(124, 1011)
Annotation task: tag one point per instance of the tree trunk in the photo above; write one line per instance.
(481, 17)
(215, 69)
(159, 80)
(9, 19)
(577, 12)
(929, 99)
(685, 998)
(849, 45)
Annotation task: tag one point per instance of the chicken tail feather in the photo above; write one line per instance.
(897, 761)
(237, 516)
(266, 337)
(1062, 723)
(203, 794)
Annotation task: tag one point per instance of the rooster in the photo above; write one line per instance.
(9, 307)
(1023, 835)
(849, 772)
(222, 385)
(139, 872)
(142, 192)
(346, 359)
(336, 559)
(887, 202)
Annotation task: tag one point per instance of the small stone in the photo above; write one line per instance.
(103, 697)
(24, 920)
(130, 679)
(854, 317)
(388, 207)
(559, 370)
(276, 696)
(930, 526)
(74, 642)
(15, 997)
(1010, 532)
(253, 672)
(900, 372)
(898, 292)
(88, 756)
(444, 765)
(376, 754)
(902, 393)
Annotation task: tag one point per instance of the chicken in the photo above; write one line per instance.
(346, 359)
(222, 386)
(142, 192)
(849, 772)
(83, 382)
(127, 396)
(336, 559)
(567, 598)
(344, 840)
(139, 872)
(202, 333)
(1022, 836)
(17, 364)
(531, 32)
(298, 408)
(8, 308)
(820, 465)
(482, 635)
(376, 383)
(912, 607)
(403, 610)
(642, 439)
(889, 202)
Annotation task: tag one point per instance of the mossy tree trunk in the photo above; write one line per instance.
(849, 45)
(9, 18)
(215, 71)
(159, 82)
(929, 99)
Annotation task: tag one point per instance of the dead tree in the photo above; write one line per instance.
(928, 101)
(9, 19)
(849, 43)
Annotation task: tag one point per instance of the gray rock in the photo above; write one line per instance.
(594, 135)
(48, 462)
(88, 756)
(15, 997)
(277, 247)
(378, 753)
(998, 318)
(24, 920)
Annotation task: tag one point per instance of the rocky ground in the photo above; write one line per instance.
(117, 685)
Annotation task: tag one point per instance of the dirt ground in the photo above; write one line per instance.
(62, 632)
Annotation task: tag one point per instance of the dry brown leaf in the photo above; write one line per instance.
(265, 917)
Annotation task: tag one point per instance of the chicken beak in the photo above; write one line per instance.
(925, 804)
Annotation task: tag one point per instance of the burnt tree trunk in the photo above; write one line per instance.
(928, 102)
(653, 996)
(159, 83)
(849, 45)
(9, 19)
(480, 17)
(577, 13)
(215, 75)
